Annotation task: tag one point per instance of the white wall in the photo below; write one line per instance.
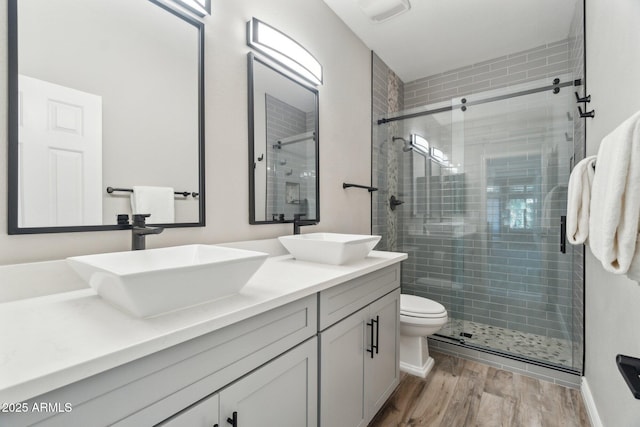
(612, 314)
(345, 129)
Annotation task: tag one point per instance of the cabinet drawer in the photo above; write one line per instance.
(151, 389)
(342, 300)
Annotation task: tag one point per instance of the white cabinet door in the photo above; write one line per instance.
(342, 350)
(282, 393)
(382, 372)
(202, 414)
(356, 378)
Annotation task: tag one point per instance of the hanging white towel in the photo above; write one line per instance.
(615, 199)
(157, 201)
(578, 201)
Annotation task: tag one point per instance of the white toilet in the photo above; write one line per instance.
(419, 317)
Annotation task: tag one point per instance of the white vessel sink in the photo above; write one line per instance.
(155, 281)
(329, 248)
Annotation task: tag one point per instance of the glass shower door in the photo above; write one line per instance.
(480, 186)
(517, 283)
(412, 163)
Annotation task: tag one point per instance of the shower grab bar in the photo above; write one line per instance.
(130, 190)
(366, 187)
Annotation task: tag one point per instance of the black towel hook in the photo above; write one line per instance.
(591, 114)
(584, 99)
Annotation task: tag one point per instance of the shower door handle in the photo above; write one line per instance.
(563, 234)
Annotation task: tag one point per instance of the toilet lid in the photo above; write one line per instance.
(413, 305)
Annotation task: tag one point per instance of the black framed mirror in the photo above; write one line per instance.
(104, 96)
(283, 145)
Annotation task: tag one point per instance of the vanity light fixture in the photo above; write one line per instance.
(438, 155)
(283, 49)
(199, 7)
(420, 144)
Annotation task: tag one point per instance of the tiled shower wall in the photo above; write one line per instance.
(546, 61)
(286, 165)
(387, 97)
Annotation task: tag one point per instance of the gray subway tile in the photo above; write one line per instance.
(491, 74)
(457, 83)
(559, 67)
(525, 66)
(474, 71)
(490, 61)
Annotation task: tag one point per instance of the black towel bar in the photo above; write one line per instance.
(130, 190)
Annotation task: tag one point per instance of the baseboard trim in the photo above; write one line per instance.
(590, 404)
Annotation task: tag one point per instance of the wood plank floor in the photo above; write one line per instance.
(463, 393)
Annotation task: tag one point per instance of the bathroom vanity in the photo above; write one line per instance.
(302, 344)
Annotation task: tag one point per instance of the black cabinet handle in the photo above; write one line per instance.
(215, 425)
(563, 234)
(374, 340)
(377, 332)
(234, 419)
(370, 350)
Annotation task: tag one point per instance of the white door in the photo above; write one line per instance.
(60, 155)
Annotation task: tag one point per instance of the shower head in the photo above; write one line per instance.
(406, 146)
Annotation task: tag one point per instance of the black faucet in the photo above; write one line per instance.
(139, 230)
(299, 222)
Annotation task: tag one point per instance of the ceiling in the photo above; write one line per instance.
(440, 35)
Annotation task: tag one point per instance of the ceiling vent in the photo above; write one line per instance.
(382, 10)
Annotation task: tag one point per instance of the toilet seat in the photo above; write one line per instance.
(418, 307)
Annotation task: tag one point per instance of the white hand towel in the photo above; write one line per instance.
(157, 201)
(615, 198)
(578, 201)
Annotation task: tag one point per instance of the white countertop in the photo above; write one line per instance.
(51, 341)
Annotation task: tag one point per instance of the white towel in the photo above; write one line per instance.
(615, 198)
(157, 201)
(578, 201)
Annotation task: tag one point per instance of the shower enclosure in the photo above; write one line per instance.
(474, 190)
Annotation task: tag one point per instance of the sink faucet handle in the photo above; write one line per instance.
(139, 219)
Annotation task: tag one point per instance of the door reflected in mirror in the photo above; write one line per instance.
(102, 93)
(283, 145)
